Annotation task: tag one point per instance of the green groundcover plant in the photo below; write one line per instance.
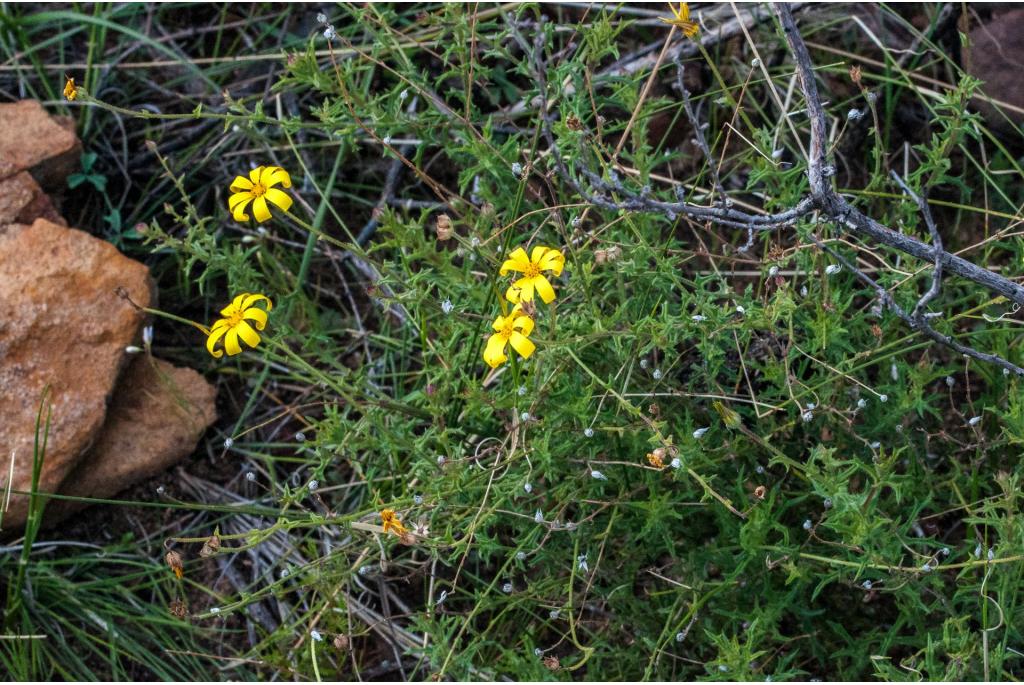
(505, 392)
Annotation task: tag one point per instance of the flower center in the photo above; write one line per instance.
(532, 270)
(507, 330)
(258, 189)
(235, 318)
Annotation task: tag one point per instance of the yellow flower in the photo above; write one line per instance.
(681, 19)
(391, 522)
(70, 92)
(541, 259)
(257, 189)
(512, 329)
(235, 324)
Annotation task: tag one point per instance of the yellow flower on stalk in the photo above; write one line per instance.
(70, 91)
(257, 189)
(541, 259)
(681, 19)
(514, 330)
(235, 324)
(391, 522)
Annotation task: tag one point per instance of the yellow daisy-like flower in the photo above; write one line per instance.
(235, 324)
(540, 259)
(391, 522)
(257, 189)
(70, 91)
(681, 19)
(514, 330)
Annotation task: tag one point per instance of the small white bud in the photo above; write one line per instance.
(759, 469)
(773, 272)
(147, 335)
(807, 416)
(755, 63)
(974, 421)
(386, 140)
(657, 374)
(854, 114)
(597, 475)
(977, 550)
(827, 503)
(364, 570)
(214, 610)
(643, 363)
(228, 443)
(132, 349)
(160, 489)
(443, 596)
(528, 487)
(447, 306)
(991, 554)
(525, 416)
(521, 391)
(313, 485)
(944, 551)
(316, 636)
(680, 636)
(676, 463)
(517, 169)
(507, 588)
(698, 318)
(538, 517)
(861, 403)
(300, 436)
(807, 524)
(521, 555)
(554, 614)
(803, 291)
(875, 445)
(403, 95)
(441, 460)
(740, 309)
(537, 651)
(321, 18)
(883, 398)
(250, 476)
(833, 269)
(926, 568)
(950, 381)
(588, 432)
(700, 432)
(866, 585)
(778, 152)
(330, 33)
(581, 561)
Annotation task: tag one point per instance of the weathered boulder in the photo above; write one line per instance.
(158, 413)
(996, 56)
(22, 201)
(63, 326)
(33, 141)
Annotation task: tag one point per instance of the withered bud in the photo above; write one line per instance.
(855, 74)
(760, 491)
(210, 547)
(407, 539)
(654, 409)
(178, 608)
(151, 146)
(529, 308)
(444, 227)
(173, 560)
(574, 123)
(342, 642)
(552, 663)
(607, 255)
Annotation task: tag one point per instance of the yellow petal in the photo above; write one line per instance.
(521, 344)
(240, 183)
(494, 353)
(517, 261)
(238, 210)
(273, 175)
(553, 260)
(513, 294)
(250, 300)
(279, 198)
(254, 174)
(257, 316)
(216, 334)
(245, 331)
(238, 198)
(525, 286)
(231, 345)
(537, 253)
(499, 323)
(260, 209)
(544, 289)
(235, 306)
(523, 324)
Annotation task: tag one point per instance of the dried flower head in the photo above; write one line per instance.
(173, 560)
(444, 227)
(210, 547)
(391, 522)
(70, 90)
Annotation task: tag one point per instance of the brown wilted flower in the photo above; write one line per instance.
(574, 123)
(855, 74)
(552, 663)
(608, 255)
(391, 522)
(657, 458)
(178, 608)
(342, 642)
(444, 227)
(173, 560)
(759, 491)
(408, 539)
(210, 547)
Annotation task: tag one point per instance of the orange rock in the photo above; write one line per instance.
(31, 140)
(157, 416)
(22, 201)
(62, 326)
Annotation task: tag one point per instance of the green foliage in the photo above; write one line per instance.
(828, 506)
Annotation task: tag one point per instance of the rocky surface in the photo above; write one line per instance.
(33, 141)
(156, 417)
(996, 56)
(22, 201)
(63, 327)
